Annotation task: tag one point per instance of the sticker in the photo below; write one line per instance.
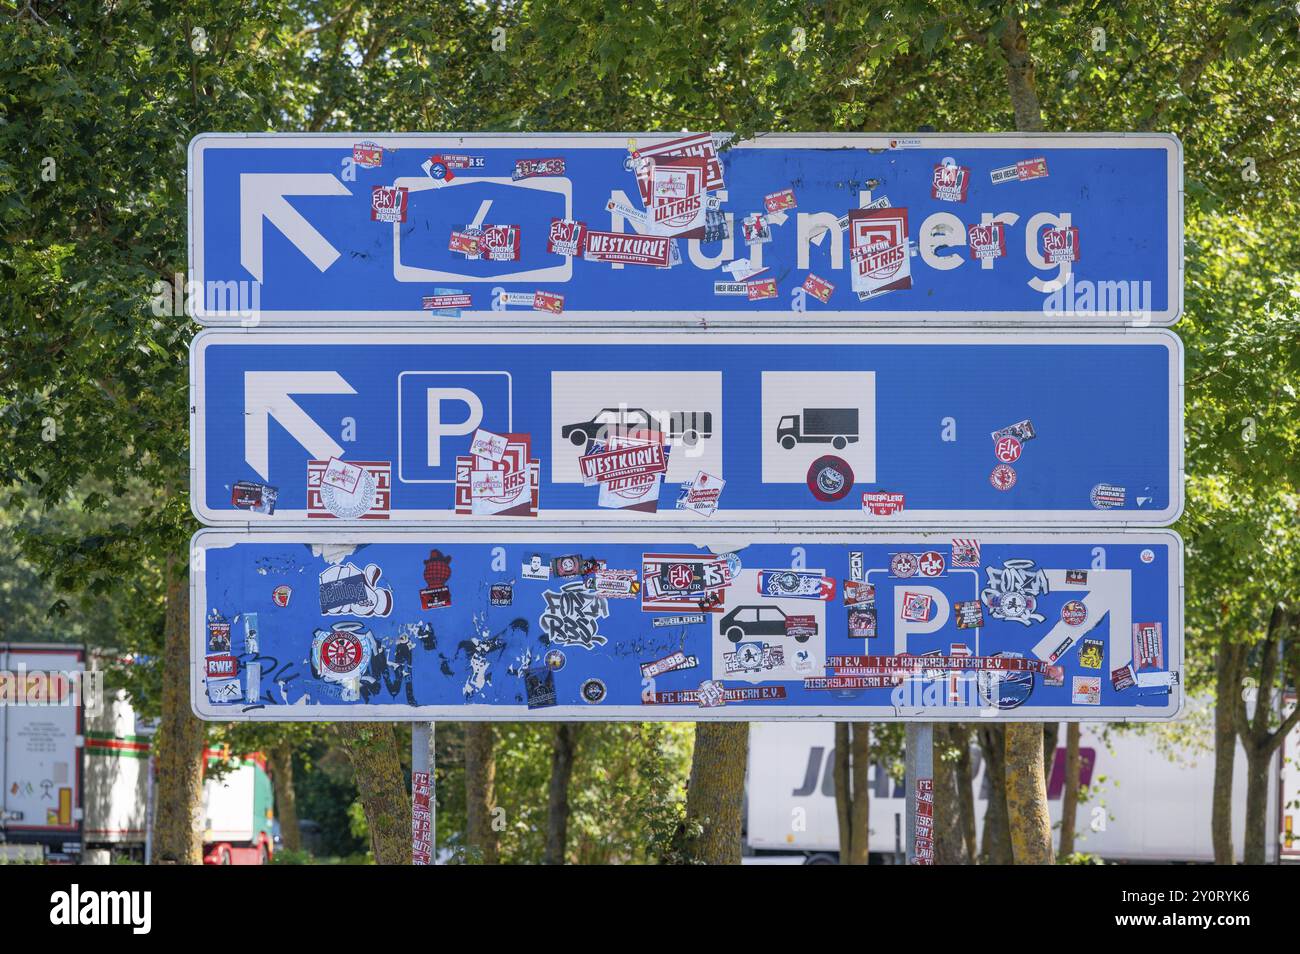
(702, 494)
(878, 250)
(554, 659)
(488, 445)
(753, 657)
(795, 584)
(700, 146)
(731, 288)
(711, 694)
(438, 169)
(755, 229)
(1107, 496)
(1055, 676)
(987, 241)
(931, 563)
(1147, 556)
(965, 552)
(446, 303)
(464, 243)
(675, 200)
(1022, 171)
(862, 623)
(519, 481)
(528, 168)
(688, 619)
(780, 201)
(368, 155)
(224, 692)
(761, 289)
(592, 691)
(221, 667)
(218, 636)
(539, 685)
(346, 590)
(370, 500)
(856, 566)
(1123, 678)
(671, 581)
(1003, 477)
(1061, 245)
(500, 243)
(830, 478)
(882, 503)
(819, 288)
(1086, 691)
(615, 584)
(621, 249)
(388, 203)
(281, 594)
(567, 566)
(917, 606)
(1077, 577)
(801, 627)
(628, 467)
(903, 565)
(535, 568)
(969, 613)
(1021, 431)
(566, 237)
(1007, 449)
(437, 571)
(1148, 647)
(572, 616)
(342, 475)
(858, 594)
(501, 594)
(550, 302)
(342, 653)
(950, 182)
(1091, 653)
(258, 498)
(1012, 592)
(1074, 613)
(741, 269)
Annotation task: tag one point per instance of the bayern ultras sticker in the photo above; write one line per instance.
(830, 478)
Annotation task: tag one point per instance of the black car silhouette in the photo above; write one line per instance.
(746, 621)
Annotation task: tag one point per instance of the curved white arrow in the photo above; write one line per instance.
(266, 396)
(261, 195)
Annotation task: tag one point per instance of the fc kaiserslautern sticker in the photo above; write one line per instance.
(830, 478)
(1003, 477)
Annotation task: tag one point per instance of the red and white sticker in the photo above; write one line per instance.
(677, 187)
(549, 302)
(528, 168)
(761, 288)
(950, 182)
(931, 563)
(819, 288)
(388, 204)
(488, 445)
(438, 302)
(878, 250)
(465, 243)
(780, 201)
(623, 249)
(1061, 245)
(566, 237)
(1023, 170)
(500, 243)
(342, 474)
(368, 155)
(987, 241)
(1007, 449)
(1003, 477)
(1074, 613)
(882, 503)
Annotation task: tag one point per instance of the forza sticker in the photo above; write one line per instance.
(830, 478)
(878, 250)
(572, 616)
(795, 584)
(620, 249)
(1012, 592)
(987, 241)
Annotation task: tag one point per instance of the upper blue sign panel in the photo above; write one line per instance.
(1081, 229)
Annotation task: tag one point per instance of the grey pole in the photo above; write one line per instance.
(919, 781)
(423, 796)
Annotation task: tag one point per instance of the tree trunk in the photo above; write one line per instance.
(286, 801)
(178, 746)
(1257, 827)
(995, 844)
(1020, 76)
(959, 737)
(1027, 815)
(859, 845)
(1051, 734)
(716, 792)
(843, 793)
(1070, 793)
(1227, 689)
(381, 786)
(949, 841)
(480, 793)
(563, 749)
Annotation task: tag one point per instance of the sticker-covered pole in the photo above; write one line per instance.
(919, 779)
(423, 806)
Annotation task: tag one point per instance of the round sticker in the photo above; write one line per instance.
(554, 660)
(350, 506)
(280, 595)
(593, 691)
(1147, 556)
(1002, 689)
(1007, 449)
(1074, 613)
(341, 652)
(830, 478)
(931, 563)
(903, 565)
(1003, 477)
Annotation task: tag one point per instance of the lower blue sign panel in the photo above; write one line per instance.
(414, 625)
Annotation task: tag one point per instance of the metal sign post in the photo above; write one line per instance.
(424, 805)
(918, 779)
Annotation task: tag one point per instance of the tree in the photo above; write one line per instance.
(715, 794)
(372, 746)
(480, 793)
(852, 791)
(563, 752)
(1070, 791)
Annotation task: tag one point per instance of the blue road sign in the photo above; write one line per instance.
(412, 625)
(693, 429)
(1074, 229)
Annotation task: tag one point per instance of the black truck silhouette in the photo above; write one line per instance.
(685, 427)
(837, 426)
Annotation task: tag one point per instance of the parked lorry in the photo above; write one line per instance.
(1148, 803)
(76, 778)
(687, 428)
(837, 426)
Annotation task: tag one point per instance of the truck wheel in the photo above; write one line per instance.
(735, 634)
(578, 438)
(690, 438)
(839, 443)
(788, 442)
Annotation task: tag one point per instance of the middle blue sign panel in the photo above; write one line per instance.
(698, 430)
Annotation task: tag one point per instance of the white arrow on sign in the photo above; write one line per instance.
(266, 396)
(261, 195)
(1109, 592)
